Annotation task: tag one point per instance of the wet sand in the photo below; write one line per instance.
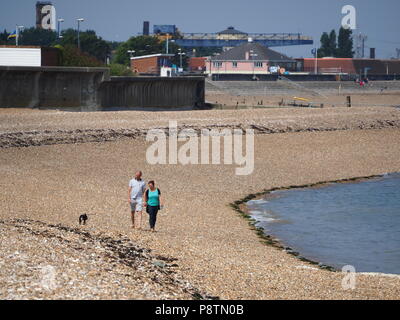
(216, 250)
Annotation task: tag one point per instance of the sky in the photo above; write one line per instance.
(120, 19)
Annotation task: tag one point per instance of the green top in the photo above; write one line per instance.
(153, 197)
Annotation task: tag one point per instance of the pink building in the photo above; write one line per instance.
(251, 59)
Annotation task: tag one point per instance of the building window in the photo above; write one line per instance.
(258, 64)
(217, 64)
(234, 64)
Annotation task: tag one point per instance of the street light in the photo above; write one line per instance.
(167, 44)
(131, 52)
(17, 28)
(79, 22)
(180, 56)
(59, 27)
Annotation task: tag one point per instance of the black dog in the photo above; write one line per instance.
(83, 218)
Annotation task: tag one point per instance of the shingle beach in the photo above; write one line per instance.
(57, 165)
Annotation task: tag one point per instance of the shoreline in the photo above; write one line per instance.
(240, 206)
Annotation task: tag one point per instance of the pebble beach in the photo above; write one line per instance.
(56, 165)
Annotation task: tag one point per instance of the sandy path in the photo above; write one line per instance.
(216, 249)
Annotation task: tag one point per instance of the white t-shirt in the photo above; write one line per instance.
(138, 188)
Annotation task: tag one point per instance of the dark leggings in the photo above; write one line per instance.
(152, 211)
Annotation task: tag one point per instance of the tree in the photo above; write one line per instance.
(90, 43)
(332, 43)
(324, 50)
(142, 45)
(71, 56)
(345, 44)
(4, 37)
(174, 49)
(328, 45)
(207, 51)
(37, 37)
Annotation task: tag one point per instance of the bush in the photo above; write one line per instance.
(120, 70)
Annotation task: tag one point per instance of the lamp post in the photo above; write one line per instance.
(59, 27)
(167, 44)
(17, 29)
(131, 53)
(180, 56)
(79, 24)
(315, 51)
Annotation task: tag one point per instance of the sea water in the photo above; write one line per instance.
(340, 224)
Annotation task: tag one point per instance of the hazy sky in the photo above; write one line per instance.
(120, 19)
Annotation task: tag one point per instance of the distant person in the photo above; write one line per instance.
(153, 203)
(136, 190)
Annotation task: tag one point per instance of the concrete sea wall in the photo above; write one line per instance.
(156, 92)
(92, 89)
(51, 87)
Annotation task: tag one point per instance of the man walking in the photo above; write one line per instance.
(136, 189)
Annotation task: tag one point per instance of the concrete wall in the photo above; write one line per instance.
(156, 92)
(91, 89)
(51, 87)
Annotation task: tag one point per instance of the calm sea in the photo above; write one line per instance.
(340, 224)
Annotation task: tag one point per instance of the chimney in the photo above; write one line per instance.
(372, 53)
(146, 28)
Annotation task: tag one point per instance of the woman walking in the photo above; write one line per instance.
(153, 203)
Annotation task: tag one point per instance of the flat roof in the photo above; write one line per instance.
(153, 55)
(20, 47)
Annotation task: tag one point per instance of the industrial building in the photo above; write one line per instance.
(152, 64)
(231, 37)
(227, 38)
(197, 64)
(250, 59)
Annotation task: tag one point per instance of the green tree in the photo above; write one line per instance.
(328, 45)
(324, 50)
(332, 43)
(142, 45)
(345, 44)
(207, 51)
(173, 48)
(71, 56)
(3, 37)
(113, 44)
(37, 37)
(90, 43)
